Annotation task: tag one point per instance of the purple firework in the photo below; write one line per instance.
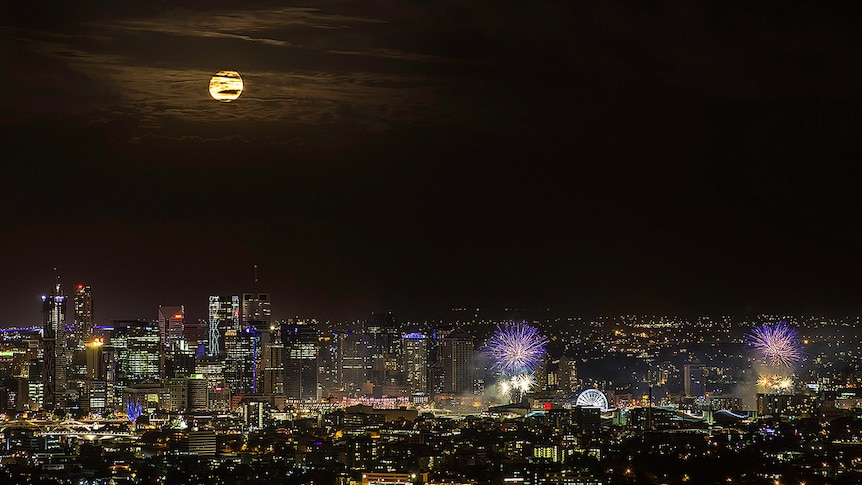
(516, 348)
(777, 344)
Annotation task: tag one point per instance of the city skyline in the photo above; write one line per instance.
(398, 156)
(200, 312)
(558, 401)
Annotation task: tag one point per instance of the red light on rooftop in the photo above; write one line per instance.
(80, 287)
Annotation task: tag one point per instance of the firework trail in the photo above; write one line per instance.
(516, 349)
(777, 344)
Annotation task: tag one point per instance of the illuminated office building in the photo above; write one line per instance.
(327, 362)
(198, 393)
(272, 363)
(239, 364)
(352, 367)
(135, 346)
(189, 393)
(55, 360)
(94, 391)
(82, 301)
(415, 362)
(568, 374)
(300, 360)
(224, 315)
(256, 309)
(180, 360)
(171, 319)
(383, 349)
(256, 319)
(456, 359)
(178, 388)
(96, 360)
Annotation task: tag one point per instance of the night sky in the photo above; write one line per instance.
(595, 157)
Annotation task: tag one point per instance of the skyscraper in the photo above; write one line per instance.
(456, 357)
(272, 365)
(84, 320)
(135, 346)
(94, 389)
(352, 364)
(171, 319)
(568, 374)
(256, 309)
(693, 379)
(240, 372)
(256, 318)
(415, 362)
(300, 360)
(383, 349)
(53, 332)
(224, 314)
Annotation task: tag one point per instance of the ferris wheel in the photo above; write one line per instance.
(593, 398)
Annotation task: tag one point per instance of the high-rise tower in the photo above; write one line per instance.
(83, 306)
(271, 374)
(224, 315)
(256, 307)
(256, 320)
(300, 360)
(384, 349)
(352, 366)
(54, 332)
(135, 345)
(456, 356)
(240, 371)
(171, 319)
(415, 362)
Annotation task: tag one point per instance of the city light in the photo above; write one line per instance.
(359, 396)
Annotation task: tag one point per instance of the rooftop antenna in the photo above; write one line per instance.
(255, 279)
(57, 274)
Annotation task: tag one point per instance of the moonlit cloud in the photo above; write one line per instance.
(292, 75)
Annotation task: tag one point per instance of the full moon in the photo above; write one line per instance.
(226, 86)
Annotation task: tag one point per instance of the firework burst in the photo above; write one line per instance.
(517, 385)
(775, 382)
(516, 349)
(777, 344)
